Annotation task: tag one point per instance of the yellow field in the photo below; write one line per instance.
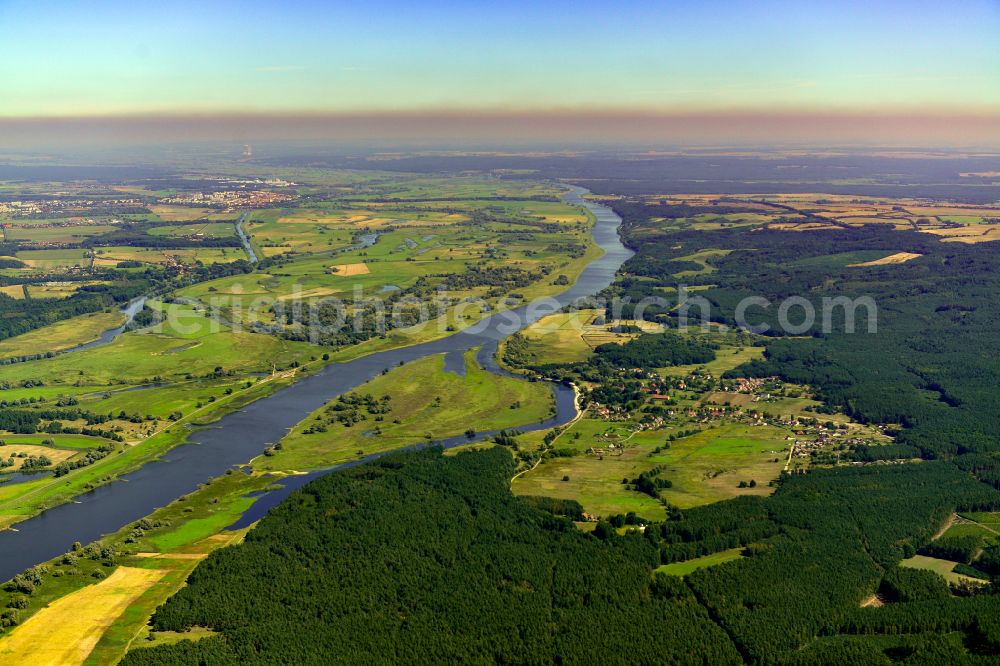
(14, 291)
(809, 226)
(896, 222)
(970, 234)
(347, 270)
(55, 455)
(898, 258)
(100, 262)
(934, 211)
(318, 292)
(66, 631)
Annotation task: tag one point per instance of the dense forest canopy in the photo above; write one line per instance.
(430, 559)
(421, 557)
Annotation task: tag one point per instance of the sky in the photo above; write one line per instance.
(669, 59)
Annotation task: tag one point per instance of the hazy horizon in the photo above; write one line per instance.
(634, 130)
(733, 72)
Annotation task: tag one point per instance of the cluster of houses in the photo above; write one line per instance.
(229, 200)
(42, 207)
(611, 449)
(608, 412)
(252, 182)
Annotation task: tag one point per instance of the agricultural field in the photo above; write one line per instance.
(965, 223)
(944, 568)
(15, 291)
(169, 213)
(111, 256)
(54, 260)
(468, 188)
(81, 618)
(67, 233)
(206, 230)
(58, 289)
(728, 357)
(323, 253)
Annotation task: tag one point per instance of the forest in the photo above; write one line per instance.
(424, 558)
(429, 558)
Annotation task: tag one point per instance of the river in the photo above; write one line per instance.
(130, 311)
(251, 255)
(242, 435)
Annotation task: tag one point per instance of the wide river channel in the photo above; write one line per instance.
(240, 436)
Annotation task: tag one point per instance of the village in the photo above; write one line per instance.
(229, 200)
(697, 401)
(43, 208)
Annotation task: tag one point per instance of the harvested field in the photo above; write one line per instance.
(66, 631)
(319, 292)
(347, 270)
(13, 290)
(55, 455)
(898, 258)
(970, 234)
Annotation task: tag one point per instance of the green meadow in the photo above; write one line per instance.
(705, 467)
(690, 566)
(425, 402)
(61, 335)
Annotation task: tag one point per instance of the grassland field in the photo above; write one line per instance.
(208, 230)
(426, 403)
(689, 566)
(943, 568)
(61, 335)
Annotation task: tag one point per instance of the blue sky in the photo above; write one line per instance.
(109, 58)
